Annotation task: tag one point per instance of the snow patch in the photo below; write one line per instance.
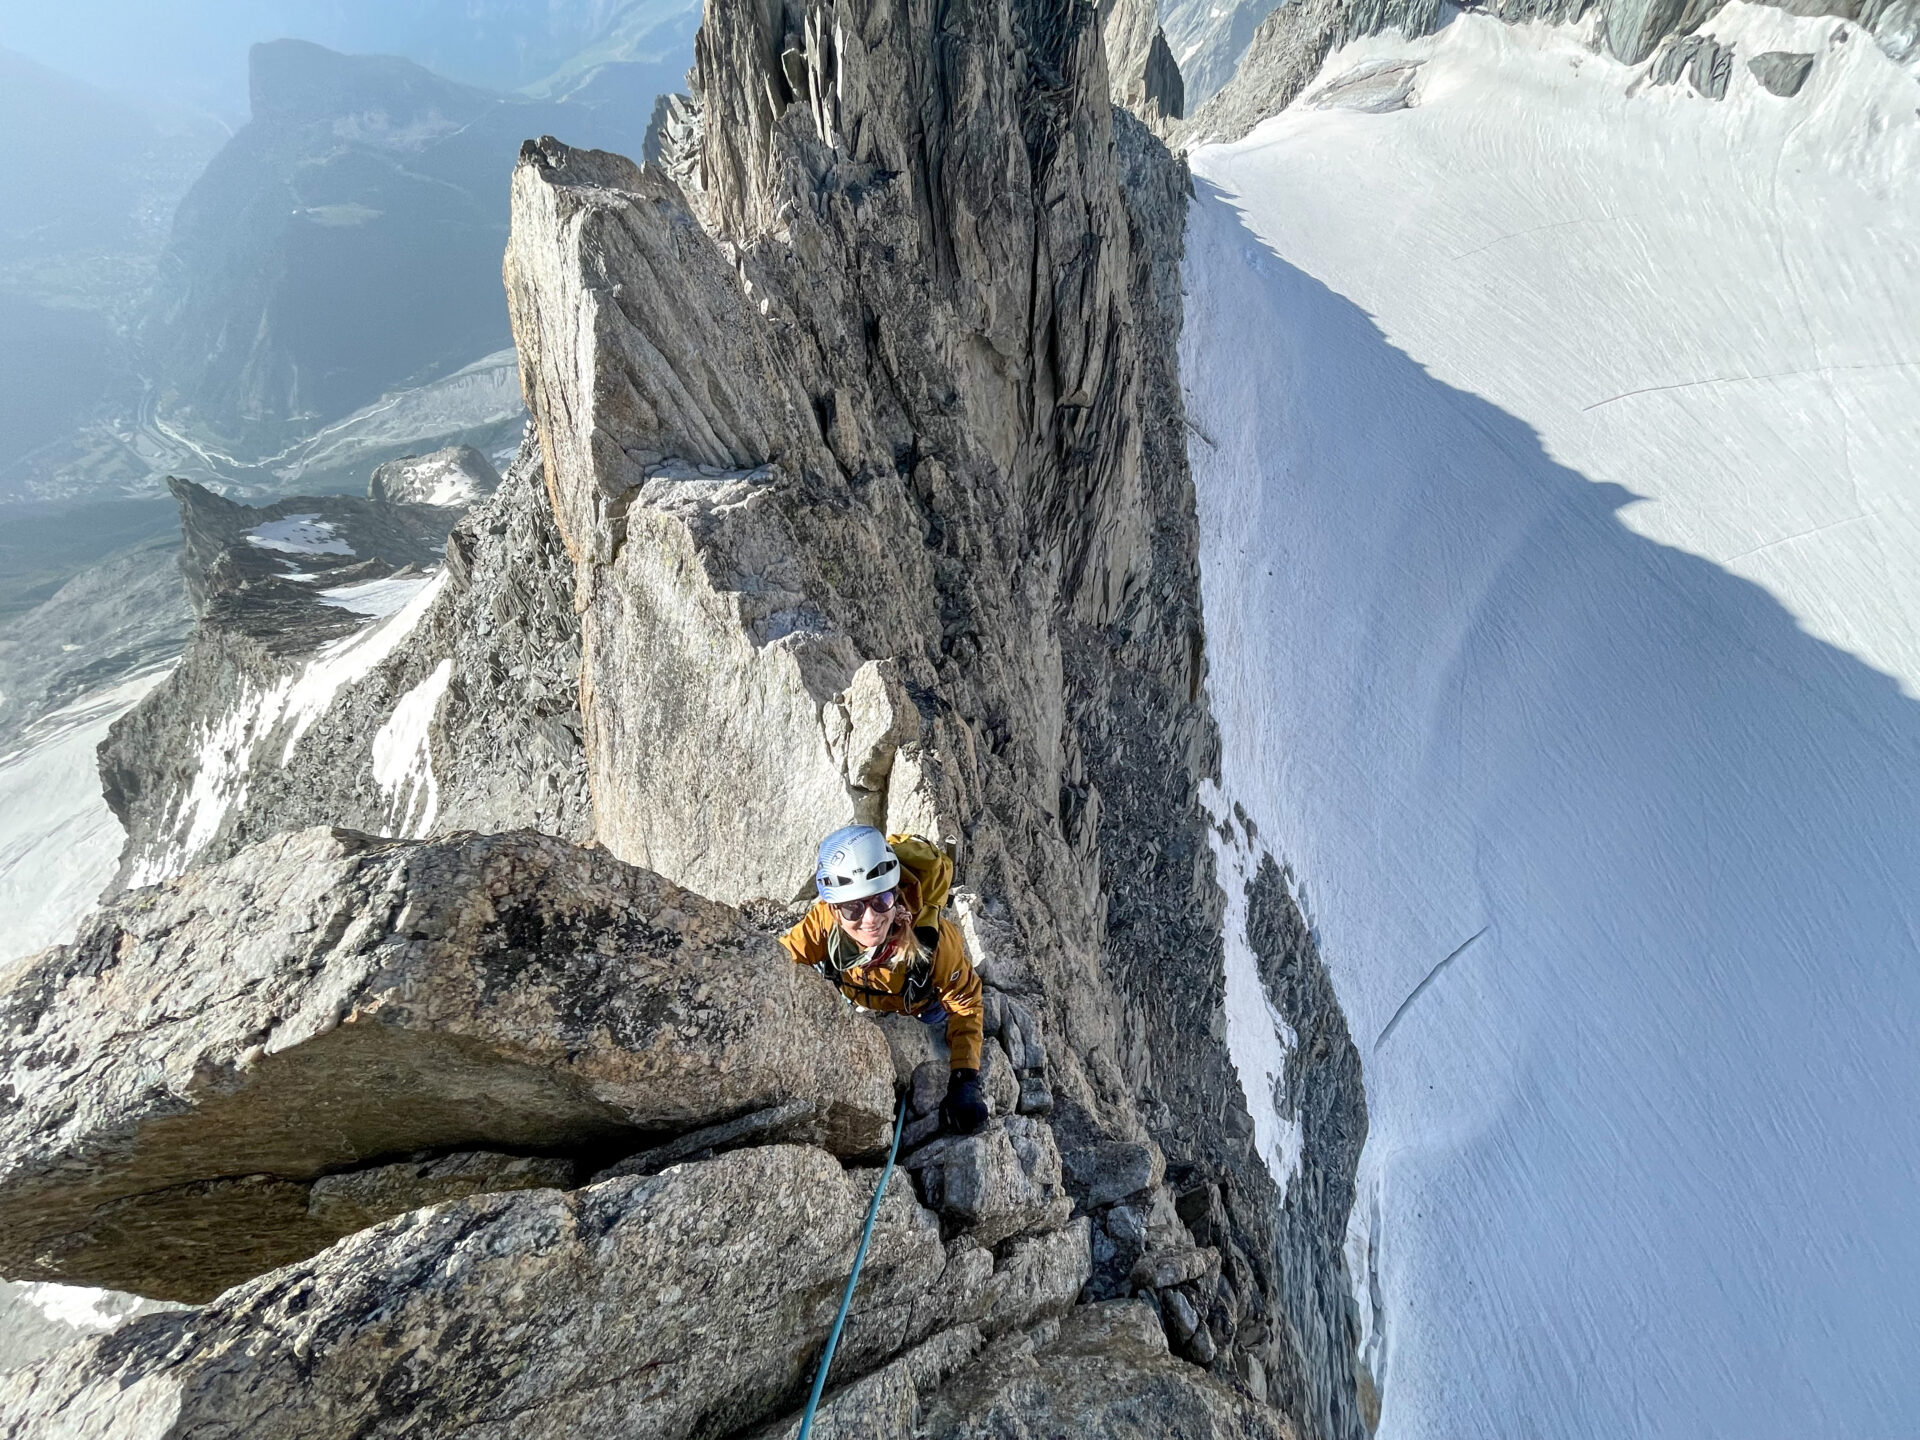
(220, 780)
(403, 758)
(350, 660)
(376, 597)
(453, 488)
(96, 1311)
(1258, 1037)
(299, 535)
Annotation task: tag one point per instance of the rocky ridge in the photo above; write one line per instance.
(458, 475)
(400, 669)
(919, 414)
(860, 492)
(1143, 76)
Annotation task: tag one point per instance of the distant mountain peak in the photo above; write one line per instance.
(296, 80)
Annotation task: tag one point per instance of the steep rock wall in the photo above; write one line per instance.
(872, 374)
(861, 494)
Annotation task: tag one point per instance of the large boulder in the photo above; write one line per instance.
(1103, 1374)
(691, 1303)
(180, 1075)
(998, 1183)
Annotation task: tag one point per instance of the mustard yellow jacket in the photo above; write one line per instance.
(887, 982)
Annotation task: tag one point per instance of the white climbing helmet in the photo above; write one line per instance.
(855, 861)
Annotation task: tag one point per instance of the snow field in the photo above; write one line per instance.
(403, 756)
(59, 843)
(298, 535)
(374, 597)
(1558, 457)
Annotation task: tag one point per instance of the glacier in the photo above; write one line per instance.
(1555, 439)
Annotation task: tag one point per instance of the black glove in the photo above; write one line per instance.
(965, 1110)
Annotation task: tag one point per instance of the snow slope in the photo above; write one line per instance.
(59, 843)
(1558, 453)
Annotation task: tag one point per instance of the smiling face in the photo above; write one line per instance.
(874, 918)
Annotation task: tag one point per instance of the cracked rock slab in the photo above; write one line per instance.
(1104, 1374)
(179, 1076)
(690, 1303)
(998, 1183)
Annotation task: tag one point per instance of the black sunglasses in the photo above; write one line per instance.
(853, 909)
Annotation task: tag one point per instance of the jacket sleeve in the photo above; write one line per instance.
(806, 943)
(959, 987)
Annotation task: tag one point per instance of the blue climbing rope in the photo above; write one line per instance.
(859, 1259)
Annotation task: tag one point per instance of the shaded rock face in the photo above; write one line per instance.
(457, 476)
(1164, 90)
(357, 664)
(181, 1075)
(356, 1199)
(1781, 71)
(1142, 73)
(692, 1303)
(1323, 1093)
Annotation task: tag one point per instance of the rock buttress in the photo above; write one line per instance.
(868, 387)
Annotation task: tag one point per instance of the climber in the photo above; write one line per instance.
(877, 932)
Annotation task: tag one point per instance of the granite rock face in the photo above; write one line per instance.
(998, 1183)
(180, 1076)
(691, 1303)
(860, 493)
(1142, 73)
(399, 669)
(872, 374)
(1104, 1373)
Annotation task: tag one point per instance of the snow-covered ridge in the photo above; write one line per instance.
(233, 743)
(1556, 446)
